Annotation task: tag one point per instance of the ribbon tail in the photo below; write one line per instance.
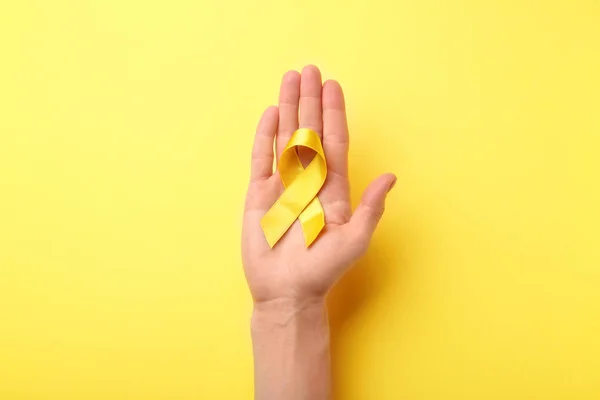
(312, 220)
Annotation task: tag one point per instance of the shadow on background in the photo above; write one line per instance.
(381, 269)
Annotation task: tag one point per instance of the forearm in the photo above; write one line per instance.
(291, 350)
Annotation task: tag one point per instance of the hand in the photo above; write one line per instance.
(290, 272)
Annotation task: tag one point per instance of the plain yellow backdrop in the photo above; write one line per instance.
(125, 130)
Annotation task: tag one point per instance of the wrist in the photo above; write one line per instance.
(289, 313)
(290, 339)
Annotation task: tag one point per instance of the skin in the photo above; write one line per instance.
(289, 283)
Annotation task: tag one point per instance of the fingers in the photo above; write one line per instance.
(370, 210)
(289, 96)
(311, 115)
(262, 150)
(335, 129)
(335, 196)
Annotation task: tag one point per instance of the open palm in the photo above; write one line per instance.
(290, 270)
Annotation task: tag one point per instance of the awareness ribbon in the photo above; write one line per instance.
(299, 199)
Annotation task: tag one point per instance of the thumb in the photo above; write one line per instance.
(370, 210)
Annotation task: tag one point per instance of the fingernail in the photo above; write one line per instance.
(392, 184)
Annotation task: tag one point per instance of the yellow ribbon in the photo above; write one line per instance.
(299, 199)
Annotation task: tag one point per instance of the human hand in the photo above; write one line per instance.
(290, 272)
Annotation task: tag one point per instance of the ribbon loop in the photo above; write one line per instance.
(299, 199)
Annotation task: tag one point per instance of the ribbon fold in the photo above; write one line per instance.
(299, 199)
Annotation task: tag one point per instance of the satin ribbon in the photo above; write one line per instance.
(299, 199)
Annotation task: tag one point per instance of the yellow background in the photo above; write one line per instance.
(125, 130)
